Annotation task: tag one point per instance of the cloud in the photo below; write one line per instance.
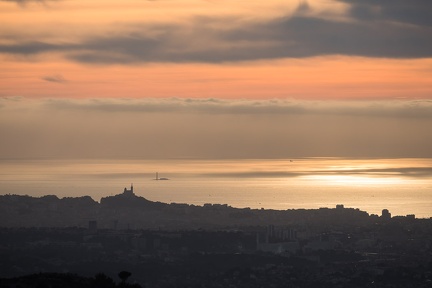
(23, 3)
(55, 78)
(363, 108)
(374, 30)
(382, 108)
(415, 12)
(26, 1)
(34, 47)
(29, 1)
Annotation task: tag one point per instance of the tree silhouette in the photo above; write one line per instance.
(124, 275)
(101, 280)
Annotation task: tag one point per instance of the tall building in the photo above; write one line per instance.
(386, 215)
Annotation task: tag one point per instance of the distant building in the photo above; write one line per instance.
(129, 192)
(340, 206)
(386, 215)
(274, 235)
(278, 240)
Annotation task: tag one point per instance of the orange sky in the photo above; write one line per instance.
(194, 27)
(333, 77)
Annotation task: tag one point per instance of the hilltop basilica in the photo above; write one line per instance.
(128, 192)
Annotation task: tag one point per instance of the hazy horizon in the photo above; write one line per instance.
(198, 79)
(214, 128)
(400, 185)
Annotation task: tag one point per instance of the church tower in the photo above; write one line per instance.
(129, 192)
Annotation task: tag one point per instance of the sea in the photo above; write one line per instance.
(401, 185)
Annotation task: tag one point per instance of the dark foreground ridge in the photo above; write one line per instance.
(78, 242)
(65, 280)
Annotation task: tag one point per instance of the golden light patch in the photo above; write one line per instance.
(346, 180)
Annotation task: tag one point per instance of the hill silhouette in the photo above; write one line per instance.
(127, 210)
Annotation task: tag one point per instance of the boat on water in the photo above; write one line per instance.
(162, 178)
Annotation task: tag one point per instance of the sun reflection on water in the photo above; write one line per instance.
(355, 180)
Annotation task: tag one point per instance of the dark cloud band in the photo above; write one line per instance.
(374, 30)
(414, 109)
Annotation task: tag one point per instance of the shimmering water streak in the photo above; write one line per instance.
(404, 186)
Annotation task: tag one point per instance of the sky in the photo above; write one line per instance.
(215, 79)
